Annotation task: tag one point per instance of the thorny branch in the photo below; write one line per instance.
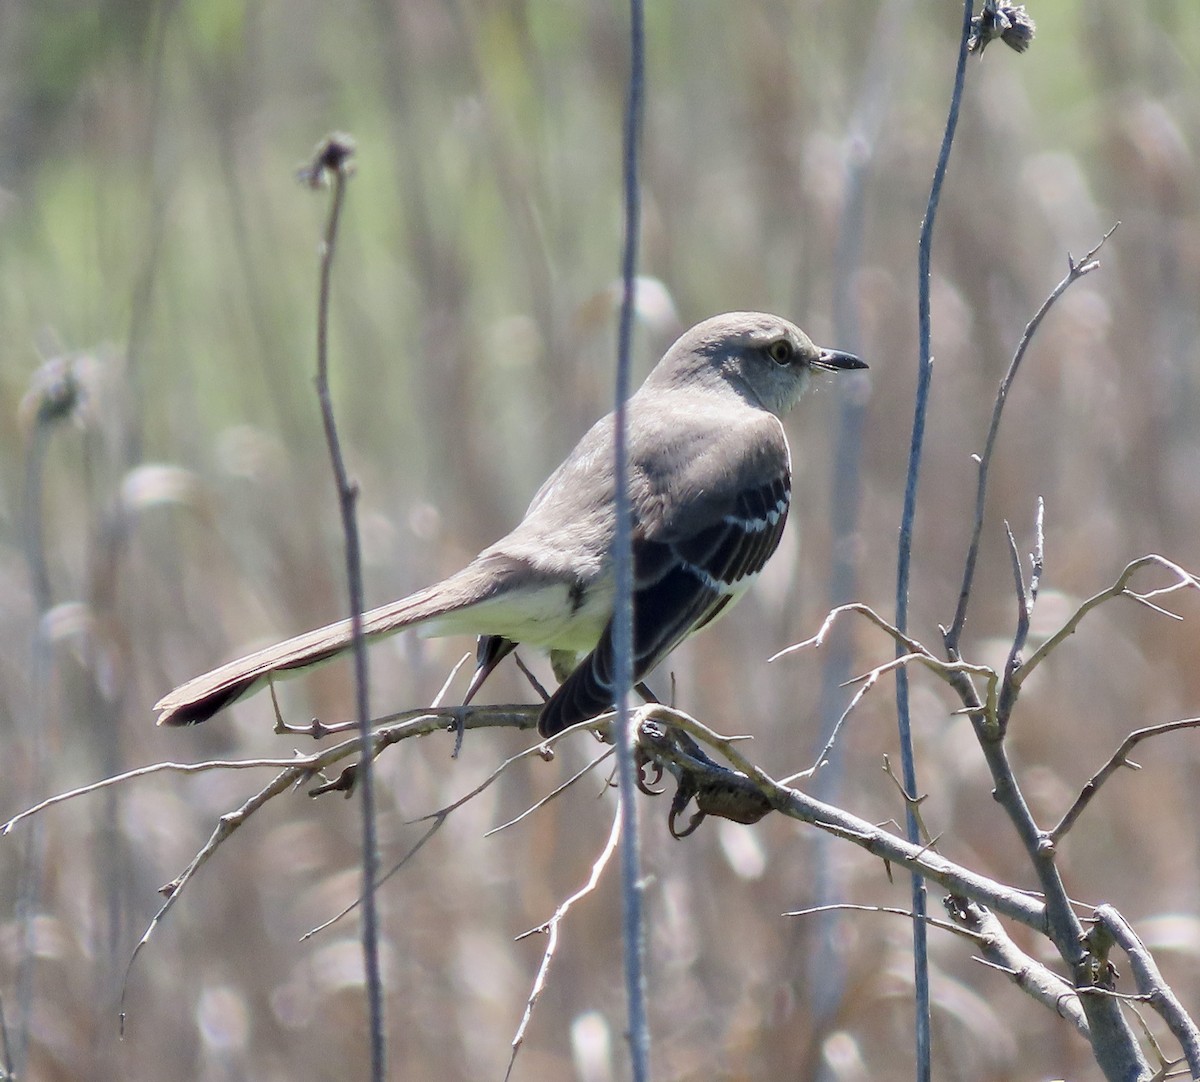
(974, 922)
(1032, 977)
(1150, 984)
(1120, 588)
(1113, 1042)
(1119, 758)
(751, 786)
(551, 930)
(1075, 271)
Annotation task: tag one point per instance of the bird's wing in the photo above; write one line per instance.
(690, 561)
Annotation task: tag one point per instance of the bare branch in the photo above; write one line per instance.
(895, 911)
(1032, 977)
(557, 791)
(912, 804)
(304, 764)
(1118, 759)
(438, 819)
(901, 639)
(1025, 598)
(346, 910)
(1075, 271)
(1184, 580)
(956, 672)
(334, 162)
(1151, 985)
(226, 825)
(1039, 552)
(889, 847)
(552, 926)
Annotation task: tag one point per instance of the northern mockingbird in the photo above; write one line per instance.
(709, 486)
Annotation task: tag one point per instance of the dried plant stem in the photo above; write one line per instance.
(622, 619)
(908, 764)
(334, 160)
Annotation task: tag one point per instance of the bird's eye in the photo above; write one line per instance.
(781, 351)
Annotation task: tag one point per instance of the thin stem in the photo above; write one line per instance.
(904, 556)
(334, 160)
(631, 878)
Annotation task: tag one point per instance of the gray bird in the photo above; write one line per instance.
(709, 485)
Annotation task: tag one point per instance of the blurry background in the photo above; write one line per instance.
(165, 503)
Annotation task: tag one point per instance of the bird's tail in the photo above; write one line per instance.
(203, 696)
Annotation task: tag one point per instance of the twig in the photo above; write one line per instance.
(1024, 613)
(438, 819)
(823, 755)
(1118, 589)
(1119, 758)
(895, 911)
(334, 161)
(226, 825)
(1075, 271)
(400, 726)
(306, 764)
(902, 640)
(346, 910)
(552, 926)
(953, 673)
(726, 745)
(1164, 1064)
(1000, 952)
(555, 792)
(912, 803)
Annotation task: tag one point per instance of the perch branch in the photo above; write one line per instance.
(881, 843)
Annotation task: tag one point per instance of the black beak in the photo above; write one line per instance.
(834, 360)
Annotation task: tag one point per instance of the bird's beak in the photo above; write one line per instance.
(834, 360)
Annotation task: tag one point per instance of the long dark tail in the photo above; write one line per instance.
(203, 696)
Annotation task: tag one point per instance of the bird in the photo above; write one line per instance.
(709, 483)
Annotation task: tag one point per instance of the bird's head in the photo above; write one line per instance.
(765, 357)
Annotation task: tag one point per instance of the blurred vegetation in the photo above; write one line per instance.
(165, 502)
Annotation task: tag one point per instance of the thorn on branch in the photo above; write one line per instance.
(343, 783)
(912, 802)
